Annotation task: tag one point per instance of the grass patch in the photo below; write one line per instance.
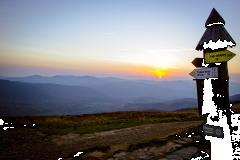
(93, 123)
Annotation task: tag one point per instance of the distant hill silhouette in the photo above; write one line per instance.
(21, 98)
(144, 106)
(146, 99)
(235, 97)
(170, 106)
(130, 89)
(19, 90)
(181, 104)
(185, 109)
(2, 77)
(38, 90)
(184, 86)
(183, 100)
(66, 80)
(18, 99)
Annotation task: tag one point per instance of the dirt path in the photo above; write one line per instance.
(29, 144)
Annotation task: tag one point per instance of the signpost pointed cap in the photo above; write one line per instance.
(215, 32)
(214, 18)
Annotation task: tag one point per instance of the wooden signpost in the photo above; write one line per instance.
(198, 62)
(205, 73)
(213, 92)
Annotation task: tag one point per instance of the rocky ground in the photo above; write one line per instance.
(180, 149)
(23, 143)
(29, 144)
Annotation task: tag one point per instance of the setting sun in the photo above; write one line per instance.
(158, 72)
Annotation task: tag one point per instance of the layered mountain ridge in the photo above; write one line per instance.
(94, 95)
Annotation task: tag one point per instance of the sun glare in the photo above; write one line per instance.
(158, 72)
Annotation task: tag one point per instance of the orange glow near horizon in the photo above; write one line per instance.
(28, 65)
(90, 68)
(32, 62)
(158, 72)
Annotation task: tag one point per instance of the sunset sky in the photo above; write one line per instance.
(131, 39)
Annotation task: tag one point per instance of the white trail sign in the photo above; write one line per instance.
(205, 73)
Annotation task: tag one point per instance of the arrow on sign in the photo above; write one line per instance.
(216, 57)
(205, 73)
(198, 62)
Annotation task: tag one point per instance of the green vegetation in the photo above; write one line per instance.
(93, 123)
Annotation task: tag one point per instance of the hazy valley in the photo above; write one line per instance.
(74, 95)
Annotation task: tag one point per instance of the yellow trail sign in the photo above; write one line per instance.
(216, 57)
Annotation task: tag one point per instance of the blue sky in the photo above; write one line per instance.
(128, 39)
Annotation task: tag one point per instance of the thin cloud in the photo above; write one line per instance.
(167, 50)
(113, 60)
(163, 50)
(108, 33)
(123, 49)
(154, 60)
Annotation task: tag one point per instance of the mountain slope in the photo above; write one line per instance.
(28, 90)
(235, 97)
(144, 106)
(19, 99)
(179, 85)
(2, 77)
(130, 89)
(234, 88)
(183, 100)
(66, 91)
(179, 104)
(19, 90)
(66, 80)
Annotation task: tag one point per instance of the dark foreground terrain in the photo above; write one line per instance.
(25, 143)
(114, 135)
